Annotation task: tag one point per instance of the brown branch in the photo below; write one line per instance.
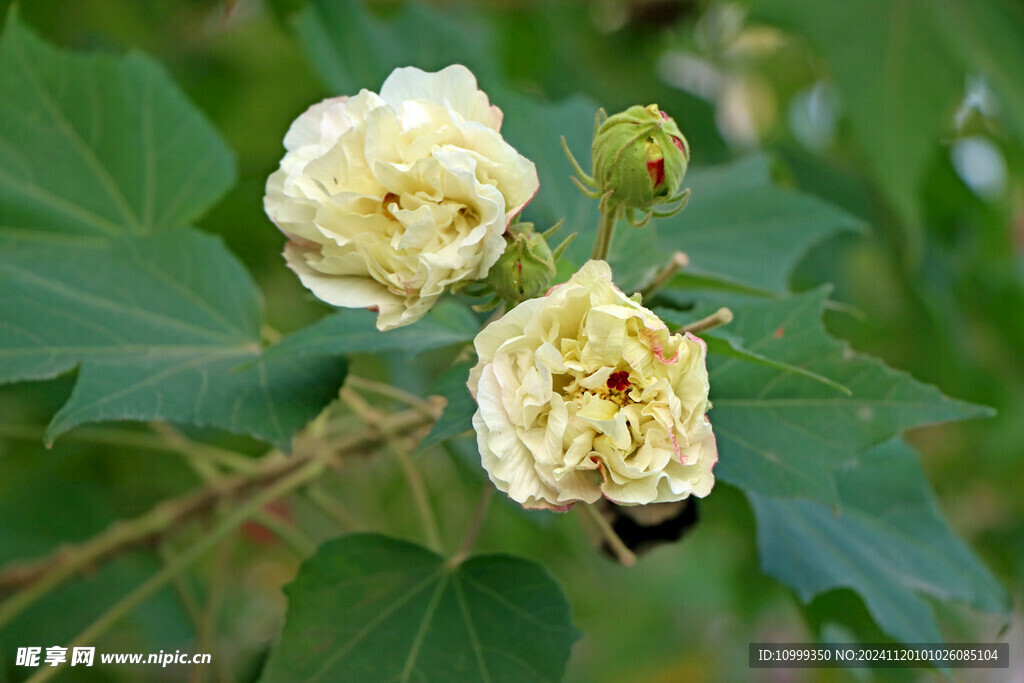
(37, 577)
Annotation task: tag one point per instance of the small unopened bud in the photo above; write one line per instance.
(526, 267)
(640, 156)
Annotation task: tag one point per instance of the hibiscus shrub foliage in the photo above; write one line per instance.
(544, 396)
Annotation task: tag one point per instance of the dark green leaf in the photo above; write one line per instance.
(269, 399)
(784, 434)
(457, 417)
(177, 295)
(371, 608)
(99, 146)
(885, 538)
(536, 129)
(721, 342)
(103, 162)
(724, 346)
(158, 324)
(355, 331)
(740, 226)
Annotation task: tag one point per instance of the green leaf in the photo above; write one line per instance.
(158, 324)
(270, 400)
(175, 294)
(535, 129)
(350, 48)
(782, 433)
(99, 146)
(102, 160)
(725, 346)
(740, 226)
(457, 417)
(885, 539)
(722, 342)
(370, 608)
(355, 331)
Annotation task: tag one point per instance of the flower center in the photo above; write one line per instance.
(619, 381)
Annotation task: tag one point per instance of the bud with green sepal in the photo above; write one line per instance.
(640, 157)
(526, 267)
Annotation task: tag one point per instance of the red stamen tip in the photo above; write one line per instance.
(619, 381)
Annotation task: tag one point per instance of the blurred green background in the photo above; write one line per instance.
(907, 115)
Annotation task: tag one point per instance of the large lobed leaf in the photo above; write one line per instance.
(784, 433)
(741, 226)
(99, 146)
(888, 541)
(158, 324)
(102, 162)
(839, 502)
(370, 608)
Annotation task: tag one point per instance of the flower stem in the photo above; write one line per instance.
(625, 555)
(679, 260)
(475, 523)
(288, 533)
(723, 316)
(412, 475)
(605, 231)
(420, 405)
(419, 496)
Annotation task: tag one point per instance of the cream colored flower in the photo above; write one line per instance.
(388, 199)
(584, 393)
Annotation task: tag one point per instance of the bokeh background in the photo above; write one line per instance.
(908, 115)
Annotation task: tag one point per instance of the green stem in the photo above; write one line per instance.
(419, 496)
(412, 475)
(185, 594)
(625, 555)
(287, 532)
(194, 451)
(206, 636)
(605, 231)
(723, 316)
(679, 260)
(26, 582)
(473, 530)
(331, 508)
(182, 562)
(420, 405)
(41, 576)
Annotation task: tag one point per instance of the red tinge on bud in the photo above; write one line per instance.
(656, 169)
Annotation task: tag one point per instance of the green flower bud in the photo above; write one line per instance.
(526, 267)
(640, 156)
